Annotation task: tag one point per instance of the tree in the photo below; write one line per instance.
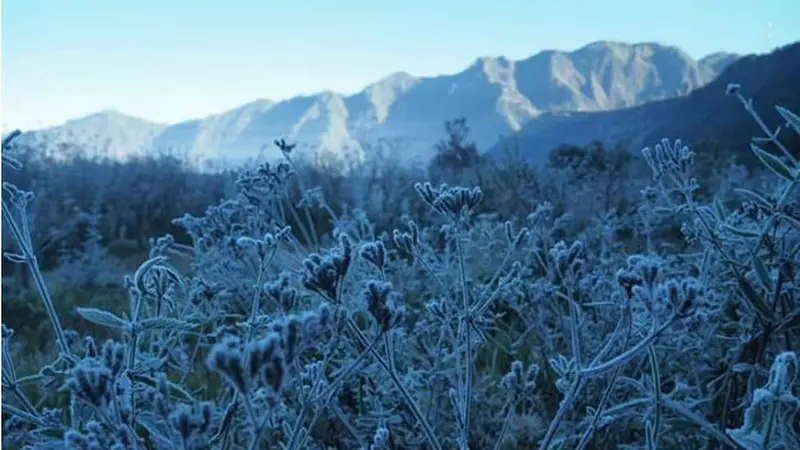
(596, 170)
(457, 153)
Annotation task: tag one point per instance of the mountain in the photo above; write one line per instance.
(498, 96)
(705, 114)
(719, 61)
(108, 132)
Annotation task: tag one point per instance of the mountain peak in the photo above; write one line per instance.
(718, 61)
(487, 61)
(396, 78)
(717, 55)
(619, 46)
(108, 115)
(259, 104)
(705, 113)
(112, 112)
(605, 43)
(107, 132)
(497, 95)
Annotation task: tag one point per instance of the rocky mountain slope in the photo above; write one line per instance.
(705, 114)
(497, 95)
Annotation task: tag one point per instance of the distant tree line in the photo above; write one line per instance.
(126, 203)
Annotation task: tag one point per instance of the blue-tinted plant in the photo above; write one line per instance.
(299, 326)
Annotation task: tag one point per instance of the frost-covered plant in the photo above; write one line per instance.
(455, 330)
(774, 407)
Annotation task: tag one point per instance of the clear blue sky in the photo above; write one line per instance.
(172, 60)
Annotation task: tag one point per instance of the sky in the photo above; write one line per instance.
(172, 60)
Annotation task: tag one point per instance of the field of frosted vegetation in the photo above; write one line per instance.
(612, 299)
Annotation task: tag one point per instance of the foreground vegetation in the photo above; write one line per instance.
(609, 300)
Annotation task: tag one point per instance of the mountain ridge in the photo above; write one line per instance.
(705, 114)
(498, 96)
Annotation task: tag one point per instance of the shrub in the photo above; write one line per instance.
(456, 331)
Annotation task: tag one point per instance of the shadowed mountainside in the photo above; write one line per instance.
(705, 114)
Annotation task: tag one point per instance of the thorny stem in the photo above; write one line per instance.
(481, 307)
(587, 435)
(426, 427)
(304, 188)
(630, 354)
(702, 422)
(10, 382)
(748, 106)
(775, 217)
(250, 332)
(577, 385)
(335, 383)
(657, 392)
(510, 405)
(24, 244)
(36, 420)
(421, 258)
(468, 344)
(22, 398)
(575, 342)
(769, 427)
(389, 368)
(298, 423)
(598, 369)
(731, 386)
(303, 230)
